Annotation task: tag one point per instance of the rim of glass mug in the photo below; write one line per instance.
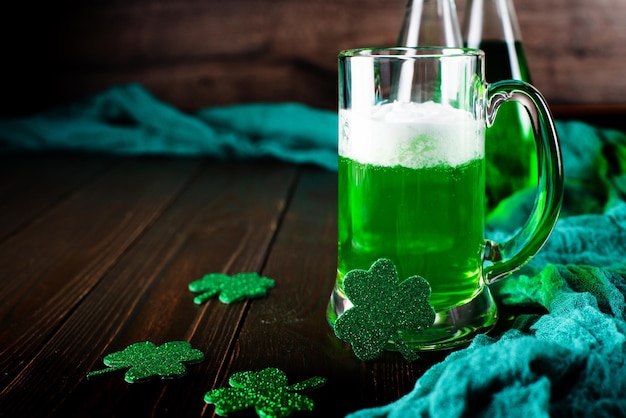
(411, 52)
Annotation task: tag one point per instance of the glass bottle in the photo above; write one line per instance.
(491, 25)
(426, 23)
(430, 23)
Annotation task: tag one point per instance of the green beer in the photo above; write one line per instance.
(428, 221)
(425, 212)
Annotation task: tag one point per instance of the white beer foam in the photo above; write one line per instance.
(412, 135)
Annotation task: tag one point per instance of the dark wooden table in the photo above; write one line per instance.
(96, 254)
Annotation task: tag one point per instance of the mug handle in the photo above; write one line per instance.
(502, 259)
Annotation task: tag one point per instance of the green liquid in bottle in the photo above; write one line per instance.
(509, 143)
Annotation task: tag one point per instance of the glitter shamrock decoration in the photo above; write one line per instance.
(145, 360)
(230, 289)
(266, 391)
(383, 306)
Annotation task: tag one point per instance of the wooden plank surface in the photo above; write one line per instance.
(196, 53)
(50, 182)
(221, 217)
(51, 266)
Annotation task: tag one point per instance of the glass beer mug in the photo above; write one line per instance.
(412, 181)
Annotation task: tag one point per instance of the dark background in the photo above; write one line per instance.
(198, 53)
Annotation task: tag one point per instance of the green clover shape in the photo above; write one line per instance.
(382, 307)
(145, 360)
(230, 289)
(266, 391)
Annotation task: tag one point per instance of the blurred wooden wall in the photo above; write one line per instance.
(197, 53)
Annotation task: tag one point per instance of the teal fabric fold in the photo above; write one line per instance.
(128, 120)
(568, 360)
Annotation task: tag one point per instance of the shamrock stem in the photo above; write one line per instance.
(200, 299)
(97, 373)
(308, 384)
(404, 349)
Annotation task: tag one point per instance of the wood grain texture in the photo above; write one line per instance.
(219, 223)
(196, 53)
(576, 49)
(50, 182)
(51, 266)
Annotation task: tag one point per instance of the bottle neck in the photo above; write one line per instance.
(430, 23)
(491, 25)
(490, 20)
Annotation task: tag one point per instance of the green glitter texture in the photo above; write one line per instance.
(145, 360)
(266, 391)
(230, 289)
(383, 306)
